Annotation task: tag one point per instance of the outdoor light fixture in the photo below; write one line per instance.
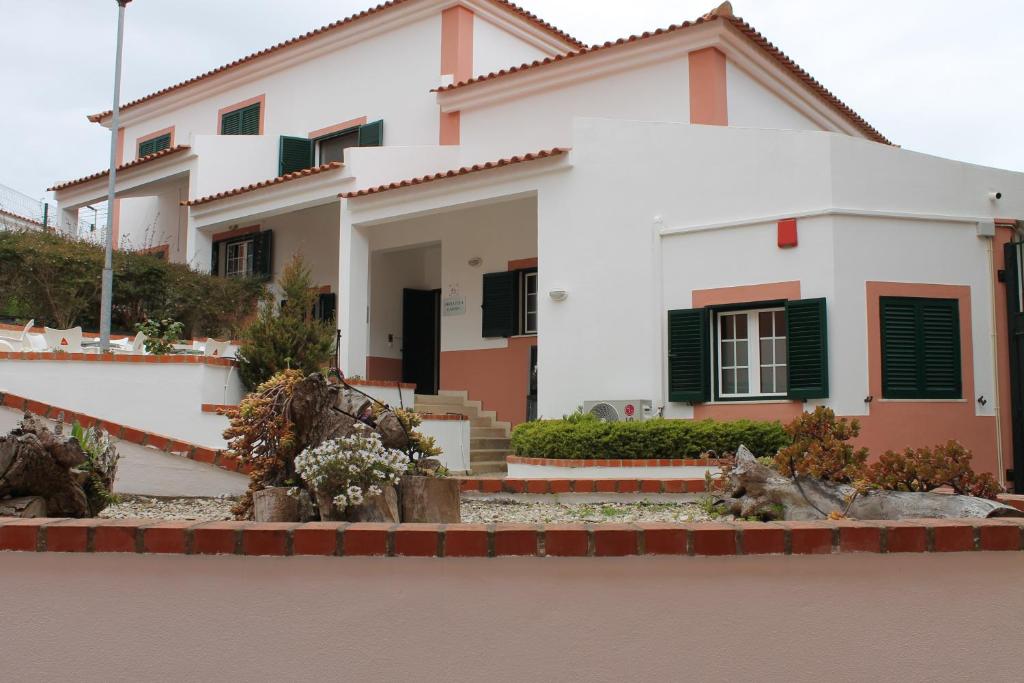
(558, 295)
(476, 261)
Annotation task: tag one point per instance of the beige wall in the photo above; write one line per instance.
(838, 618)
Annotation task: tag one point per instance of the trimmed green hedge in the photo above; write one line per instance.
(579, 437)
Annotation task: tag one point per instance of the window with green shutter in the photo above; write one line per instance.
(243, 121)
(154, 145)
(499, 304)
(689, 368)
(920, 348)
(371, 134)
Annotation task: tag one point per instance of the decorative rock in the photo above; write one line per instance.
(430, 499)
(26, 506)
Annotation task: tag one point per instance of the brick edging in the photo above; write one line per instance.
(187, 359)
(500, 540)
(620, 462)
(209, 456)
(484, 485)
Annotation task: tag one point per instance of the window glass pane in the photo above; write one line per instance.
(767, 355)
(780, 379)
(333, 149)
(780, 351)
(531, 322)
(780, 323)
(728, 382)
(742, 381)
(741, 326)
(728, 354)
(764, 322)
(741, 354)
(767, 380)
(728, 327)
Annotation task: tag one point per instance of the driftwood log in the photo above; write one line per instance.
(26, 506)
(756, 490)
(35, 461)
(382, 508)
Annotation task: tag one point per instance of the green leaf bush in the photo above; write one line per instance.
(55, 279)
(581, 437)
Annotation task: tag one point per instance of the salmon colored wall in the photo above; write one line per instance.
(898, 424)
(336, 128)
(1004, 234)
(708, 99)
(456, 61)
(499, 378)
(386, 369)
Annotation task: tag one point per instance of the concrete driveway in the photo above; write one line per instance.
(149, 472)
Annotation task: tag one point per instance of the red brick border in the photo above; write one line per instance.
(186, 359)
(500, 540)
(210, 456)
(605, 462)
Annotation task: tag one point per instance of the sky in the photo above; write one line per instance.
(944, 77)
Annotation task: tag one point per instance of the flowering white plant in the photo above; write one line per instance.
(351, 468)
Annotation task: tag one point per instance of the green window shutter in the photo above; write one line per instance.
(263, 249)
(154, 145)
(215, 258)
(295, 154)
(250, 120)
(499, 304)
(920, 348)
(371, 134)
(231, 123)
(807, 348)
(689, 356)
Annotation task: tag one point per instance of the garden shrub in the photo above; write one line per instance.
(55, 279)
(286, 337)
(820, 448)
(582, 436)
(161, 335)
(926, 469)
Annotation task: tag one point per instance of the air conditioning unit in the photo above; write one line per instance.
(619, 411)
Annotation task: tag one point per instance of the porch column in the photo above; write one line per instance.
(353, 299)
(68, 221)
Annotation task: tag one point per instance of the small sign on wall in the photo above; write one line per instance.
(454, 303)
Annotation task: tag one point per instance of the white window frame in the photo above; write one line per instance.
(524, 298)
(248, 258)
(753, 354)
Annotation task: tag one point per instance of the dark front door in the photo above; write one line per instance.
(1015, 324)
(421, 338)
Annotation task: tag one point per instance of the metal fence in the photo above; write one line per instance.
(22, 211)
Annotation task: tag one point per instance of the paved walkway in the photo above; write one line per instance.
(149, 472)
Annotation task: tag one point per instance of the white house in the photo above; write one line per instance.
(685, 217)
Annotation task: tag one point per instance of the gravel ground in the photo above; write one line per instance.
(199, 509)
(473, 511)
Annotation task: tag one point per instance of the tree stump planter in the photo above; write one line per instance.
(382, 508)
(430, 499)
(273, 504)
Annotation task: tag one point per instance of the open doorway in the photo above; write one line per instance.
(421, 338)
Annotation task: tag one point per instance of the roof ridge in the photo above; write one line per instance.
(724, 13)
(334, 25)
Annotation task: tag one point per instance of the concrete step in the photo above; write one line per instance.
(487, 433)
(430, 399)
(493, 443)
(488, 467)
(484, 454)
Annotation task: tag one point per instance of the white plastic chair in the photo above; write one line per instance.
(134, 346)
(7, 346)
(63, 340)
(215, 348)
(19, 341)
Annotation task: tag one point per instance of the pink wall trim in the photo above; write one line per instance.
(337, 128)
(384, 369)
(519, 264)
(262, 99)
(237, 232)
(770, 291)
(708, 97)
(456, 61)
(498, 378)
(1004, 234)
(898, 424)
(150, 136)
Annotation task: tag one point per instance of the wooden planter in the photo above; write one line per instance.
(382, 508)
(430, 499)
(273, 504)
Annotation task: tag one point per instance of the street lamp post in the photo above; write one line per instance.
(107, 291)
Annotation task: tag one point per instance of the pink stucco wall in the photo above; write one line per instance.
(839, 617)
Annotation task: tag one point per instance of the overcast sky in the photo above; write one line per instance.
(936, 76)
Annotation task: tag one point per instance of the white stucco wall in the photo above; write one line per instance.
(390, 273)
(495, 48)
(312, 233)
(156, 220)
(754, 105)
(162, 398)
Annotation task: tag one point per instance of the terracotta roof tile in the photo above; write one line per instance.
(511, 7)
(465, 170)
(721, 13)
(264, 183)
(134, 162)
